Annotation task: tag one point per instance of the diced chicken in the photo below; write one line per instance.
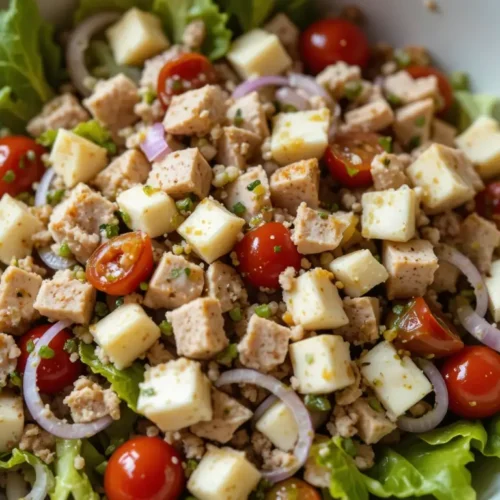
(445, 277)
(236, 146)
(364, 316)
(153, 66)
(248, 112)
(334, 77)
(388, 172)
(225, 285)
(9, 352)
(288, 34)
(407, 89)
(372, 425)
(443, 133)
(371, 117)
(412, 123)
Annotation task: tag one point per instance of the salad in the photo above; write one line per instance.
(244, 254)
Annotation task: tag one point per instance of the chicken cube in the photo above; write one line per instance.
(388, 172)
(443, 133)
(402, 86)
(372, 425)
(445, 277)
(364, 317)
(370, 117)
(334, 77)
(412, 123)
(225, 285)
(248, 112)
(236, 146)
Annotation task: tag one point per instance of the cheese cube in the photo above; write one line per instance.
(11, 421)
(397, 382)
(279, 426)
(175, 395)
(125, 334)
(223, 474)
(135, 37)
(322, 364)
(211, 230)
(258, 53)
(389, 215)
(76, 159)
(359, 271)
(481, 144)
(493, 286)
(150, 210)
(16, 229)
(300, 136)
(314, 301)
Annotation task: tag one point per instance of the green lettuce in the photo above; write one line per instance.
(96, 133)
(471, 106)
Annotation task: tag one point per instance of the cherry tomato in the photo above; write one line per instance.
(57, 372)
(331, 40)
(265, 252)
(445, 88)
(144, 468)
(20, 164)
(488, 202)
(425, 332)
(186, 72)
(472, 377)
(119, 266)
(293, 489)
(342, 158)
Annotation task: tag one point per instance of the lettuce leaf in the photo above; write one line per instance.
(96, 133)
(471, 106)
(89, 7)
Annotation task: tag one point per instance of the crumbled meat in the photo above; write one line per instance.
(194, 34)
(351, 393)
(372, 425)
(159, 354)
(364, 316)
(388, 172)
(225, 285)
(150, 113)
(236, 146)
(9, 352)
(278, 459)
(412, 123)
(365, 457)
(39, 442)
(448, 224)
(248, 112)
(240, 439)
(445, 277)
(28, 264)
(342, 423)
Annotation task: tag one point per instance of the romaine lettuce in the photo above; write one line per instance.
(471, 106)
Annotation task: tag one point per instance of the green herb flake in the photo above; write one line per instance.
(351, 171)
(15, 379)
(119, 301)
(48, 138)
(253, 185)
(64, 250)
(402, 58)
(317, 403)
(398, 309)
(239, 208)
(386, 161)
(149, 392)
(393, 100)
(420, 121)
(263, 311)
(55, 197)
(148, 96)
(228, 355)
(125, 216)
(176, 85)
(176, 273)
(289, 108)
(375, 405)
(415, 142)
(277, 248)
(30, 346)
(46, 352)
(9, 177)
(386, 143)
(101, 468)
(101, 309)
(110, 230)
(352, 89)
(166, 328)
(238, 118)
(350, 447)
(149, 190)
(144, 286)
(184, 205)
(235, 314)
(323, 215)
(309, 358)
(70, 346)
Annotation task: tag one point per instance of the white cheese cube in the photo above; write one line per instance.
(76, 159)
(125, 334)
(493, 286)
(211, 230)
(397, 382)
(359, 271)
(258, 53)
(314, 301)
(279, 426)
(175, 395)
(322, 364)
(137, 36)
(389, 215)
(223, 474)
(481, 144)
(300, 136)
(11, 420)
(150, 210)
(16, 229)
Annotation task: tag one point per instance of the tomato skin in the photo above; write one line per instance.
(472, 377)
(13, 150)
(332, 40)
(258, 260)
(488, 202)
(127, 258)
(56, 373)
(144, 468)
(293, 489)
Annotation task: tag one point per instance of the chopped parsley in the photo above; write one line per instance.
(177, 272)
(149, 190)
(125, 216)
(386, 143)
(229, 354)
(309, 358)
(64, 250)
(323, 215)
(375, 405)
(235, 313)
(239, 208)
(110, 230)
(15, 379)
(184, 205)
(238, 118)
(101, 468)
(414, 142)
(149, 96)
(253, 185)
(398, 309)
(352, 89)
(48, 138)
(70, 346)
(9, 177)
(393, 100)
(402, 58)
(277, 248)
(144, 286)
(317, 403)
(191, 465)
(149, 392)
(420, 121)
(30, 346)
(289, 108)
(176, 85)
(55, 197)
(166, 328)
(351, 171)
(101, 309)
(46, 352)
(263, 311)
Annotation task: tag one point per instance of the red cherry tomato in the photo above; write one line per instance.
(472, 377)
(342, 158)
(186, 72)
(424, 332)
(331, 40)
(265, 252)
(445, 88)
(488, 202)
(293, 489)
(57, 372)
(144, 468)
(119, 266)
(20, 164)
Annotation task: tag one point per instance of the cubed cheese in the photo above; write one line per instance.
(223, 474)
(279, 426)
(300, 135)
(150, 210)
(481, 143)
(125, 334)
(397, 382)
(322, 364)
(493, 286)
(211, 230)
(75, 158)
(314, 301)
(175, 395)
(11, 421)
(17, 227)
(137, 36)
(258, 53)
(359, 271)
(389, 215)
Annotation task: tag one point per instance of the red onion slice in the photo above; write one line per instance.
(43, 187)
(289, 97)
(54, 261)
(40, 487)
(294, 404)
(309, 85)
(155, 145)
(35, 404)
(478, 327)
(434, 417)
(258, 83)
(78, 43)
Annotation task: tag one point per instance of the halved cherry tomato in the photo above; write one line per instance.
(424, 332)
(332, 40)
(119, 266)
(445, 88)
(144, 468)
(488, 202)
(265, 252)
(20, 164)
(293, 489)
(185, 72)
(472, 377)
(350, 156)
(54, 373)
